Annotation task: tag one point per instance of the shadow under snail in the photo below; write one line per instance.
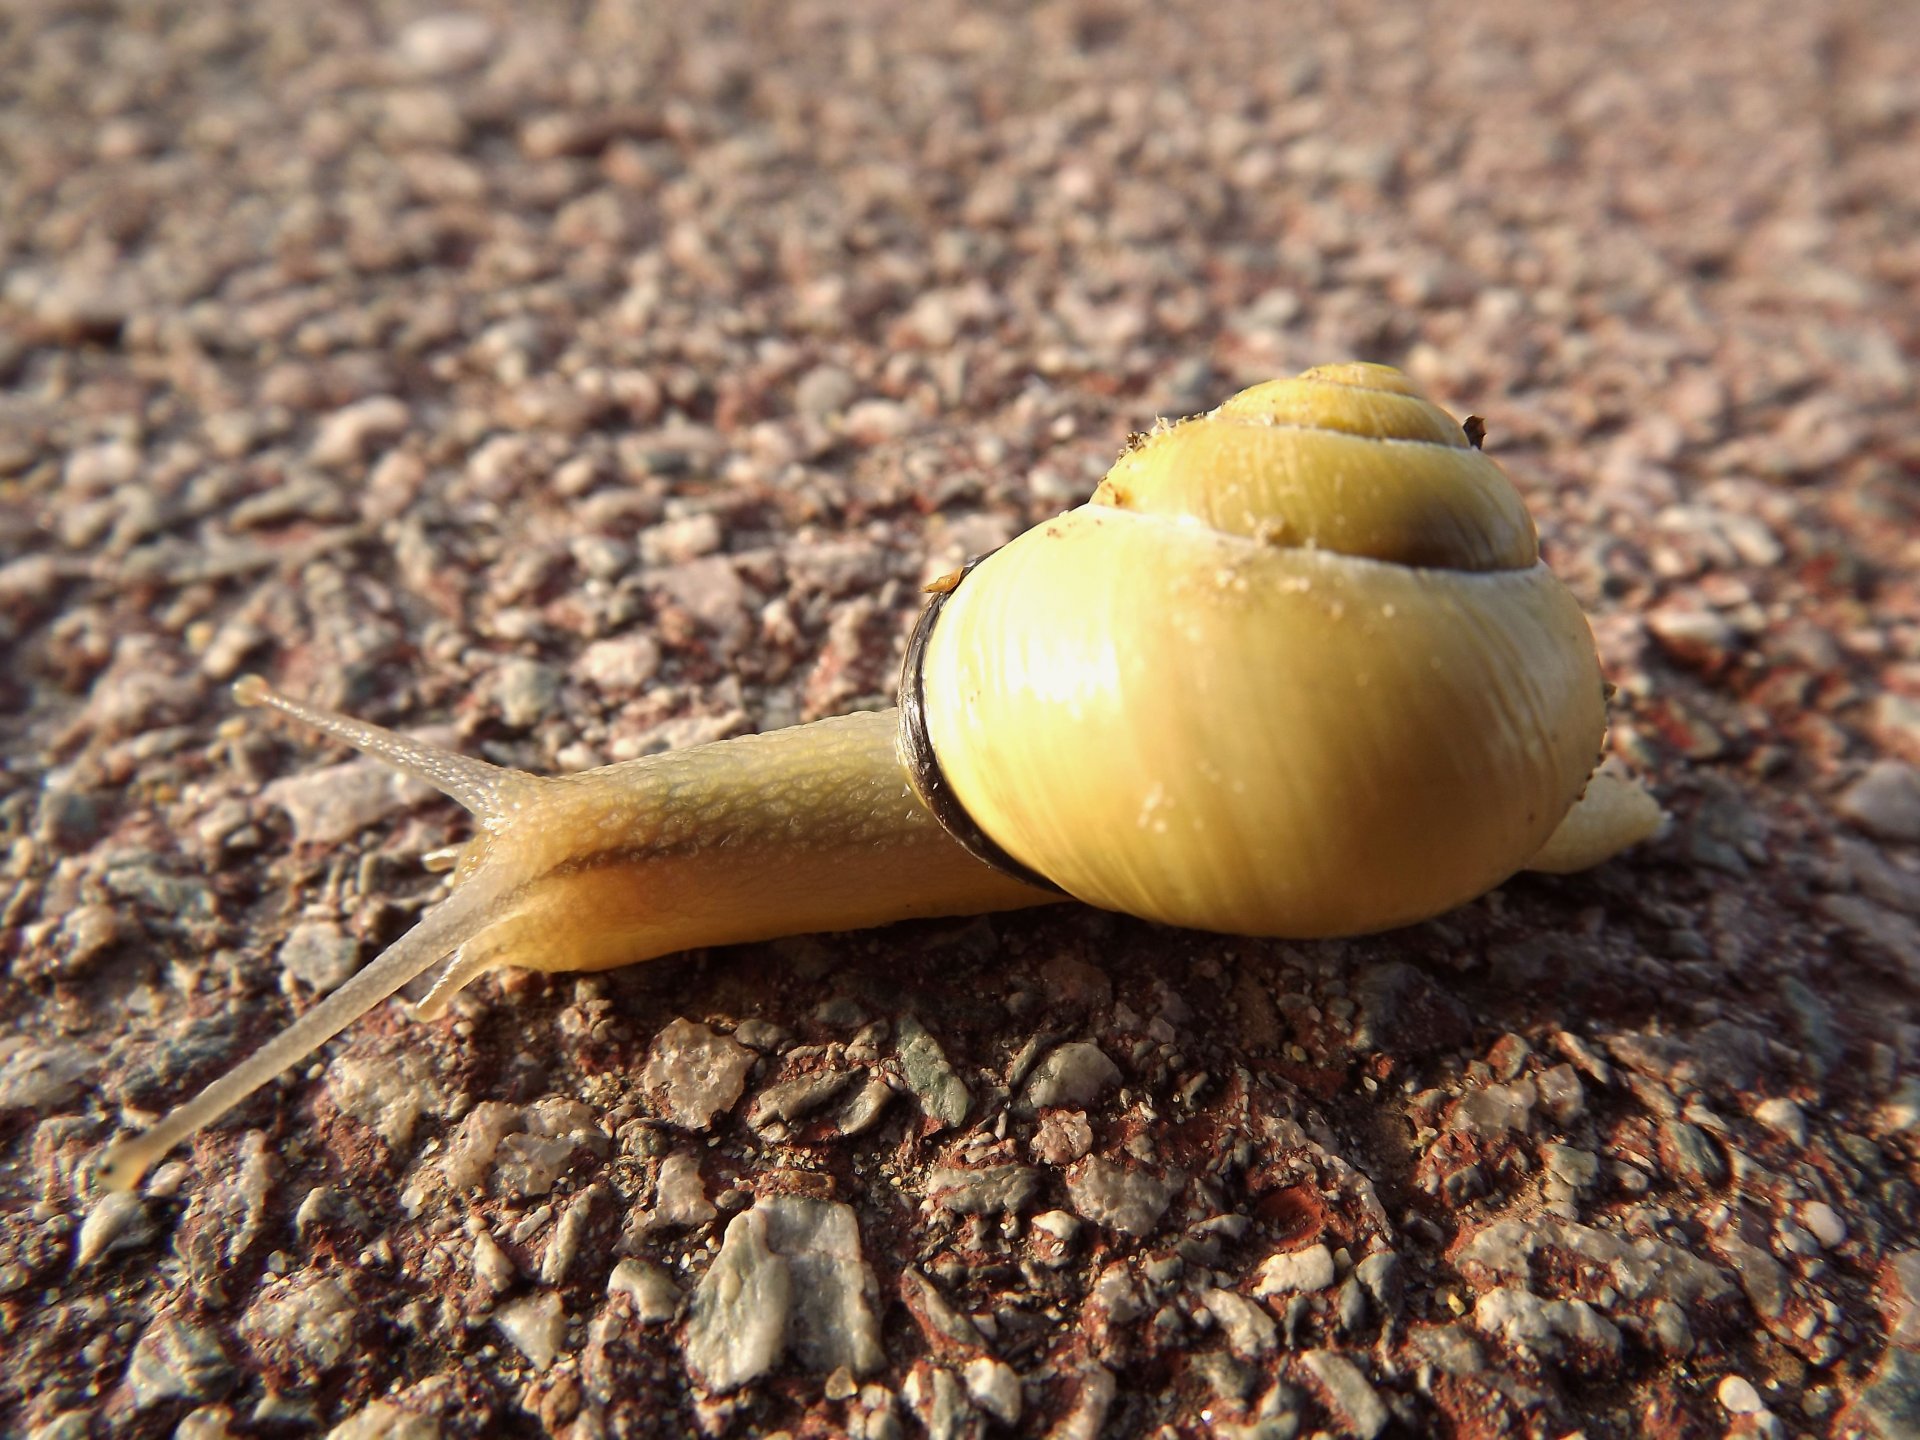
(1296, 669)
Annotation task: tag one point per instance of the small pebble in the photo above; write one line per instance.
(656, 1299)
(490, 1263)
(1300, 1270)
(116, 1222)
(1738, 1397)
(1783, 1116)
(537, 1326)
(1824, 1222)
(995, 1388)
(1885, 802)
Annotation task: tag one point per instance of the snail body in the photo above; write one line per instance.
(1295, 670)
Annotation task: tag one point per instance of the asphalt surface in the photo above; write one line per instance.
(572, 383)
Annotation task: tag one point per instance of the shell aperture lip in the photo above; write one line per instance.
(917, 755)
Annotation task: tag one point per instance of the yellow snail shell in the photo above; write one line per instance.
(1296, 669)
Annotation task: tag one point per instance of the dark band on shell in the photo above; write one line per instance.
(916, 746)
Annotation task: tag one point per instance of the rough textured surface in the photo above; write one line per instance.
(591, 380)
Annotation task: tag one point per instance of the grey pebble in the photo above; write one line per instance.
(1888, 1405)
(1876, 929)
(318, 955)
(1247, 1327)
(1899, 1114)
(1687, 1151)
(940, 1090)
(528, 1161)
(470, 1152)
(384, 1420)
(994, 1387)
(1822, 1042)
(1574, 1168)
(1495, 1110)
(536, 1325)
(863, 1111)
(1565, 1330)
(1451, 1349)
(568, 1235)
(1385, 1280)
(675, 542)
(797, 1098)
(1072, 1075)
(1223, 1375)
(313, 1321)
(176, 1359)
(445, 43)
(1785, 1117)
(335, 803)
(656, 1299)
(1885, 802)
(989, 1190)
(947, 1328)
(182, 899)
(43, 1078)
(825, 391)
(680, 1194)
(1897, 718)
(491, 1265)
(1094, 1388)
(350, 435)
(1670, 1328)
(118, 1221)
(935, 1395)
(1878, 877)
(1350, 1306)
(1562, 1095)
(621, 665)
(1349, 1393)
(1693, 634)
(526, 692)
(696, 1074)
(1296, 1271)
(1762, 1277)
(761, 1035)
(66, 819)
(1902, 1298)
(387, 1093)
(1128, 1200)
(790, 1277)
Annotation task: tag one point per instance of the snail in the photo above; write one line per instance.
(1296, 669)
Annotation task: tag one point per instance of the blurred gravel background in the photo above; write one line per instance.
(588, 379)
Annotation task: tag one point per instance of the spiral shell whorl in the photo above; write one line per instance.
(1296, 670)
(1343, 458)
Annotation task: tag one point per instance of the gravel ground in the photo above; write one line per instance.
(586, 380)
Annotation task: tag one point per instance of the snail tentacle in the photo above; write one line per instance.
(489, 792)
(125, 1161)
